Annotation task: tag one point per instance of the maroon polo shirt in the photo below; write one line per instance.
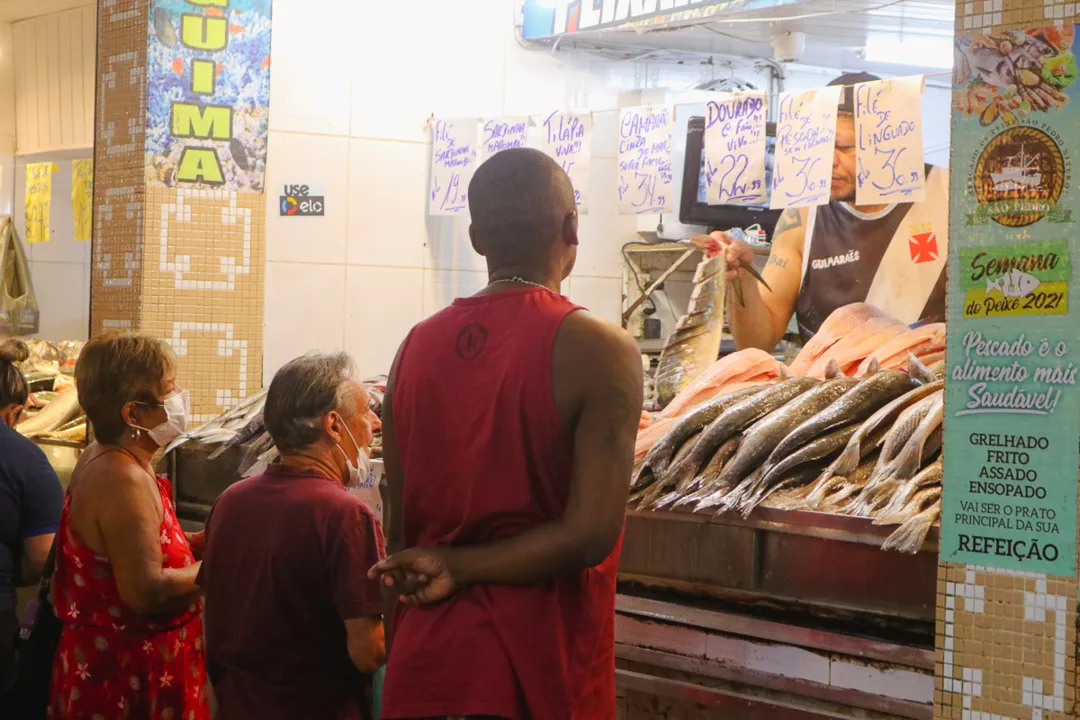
(286, 561)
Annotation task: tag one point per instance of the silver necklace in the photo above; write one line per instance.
(521, 280)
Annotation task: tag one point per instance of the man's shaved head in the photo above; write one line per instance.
(523, 212)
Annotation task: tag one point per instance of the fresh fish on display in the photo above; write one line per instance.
(904, 431)
(653, 492)
(910, 537)
(706, 482)
(819, 449)
(56, 414)
(852, 454)
(718, 497)
(921, 500)
(734, 420)
(930, 475)
(856, 404)
(232, 420)
(908, 460)
(659, 457)
(767, 433)
(255, 427)
(1014, 283)
(794, 480)
(902, 346)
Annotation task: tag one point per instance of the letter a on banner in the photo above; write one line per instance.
(735, 150)
(567, 138)
(454, 154)
(889, 141)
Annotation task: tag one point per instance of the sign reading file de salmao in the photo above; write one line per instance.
(1012, 417)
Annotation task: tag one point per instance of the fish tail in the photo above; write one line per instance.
(910, 536)
(666, 500)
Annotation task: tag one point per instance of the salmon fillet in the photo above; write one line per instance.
(647, 437)
(857, 344)
(902, 344)
(841, 322)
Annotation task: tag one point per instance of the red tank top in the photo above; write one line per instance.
(485, 458)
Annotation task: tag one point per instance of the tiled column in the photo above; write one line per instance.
(1006, 639)
(180, 211)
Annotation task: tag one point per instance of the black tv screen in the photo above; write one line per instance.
(694, 209)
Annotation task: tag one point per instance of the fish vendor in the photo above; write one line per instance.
(825, 257)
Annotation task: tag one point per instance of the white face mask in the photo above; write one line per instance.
(176, 407)
(359, 470)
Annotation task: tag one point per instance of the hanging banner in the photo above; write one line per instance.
(38, 201)
(735, 150)
(889, 141)
(82, 198)
(805, 142)
(548, 18)
(454, 158)
(208, 94)
(645, 159)
(498, 134)
(1012, 413)
(567, 137)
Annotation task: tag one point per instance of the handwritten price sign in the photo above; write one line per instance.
(567, 137)
(735, 150)
(454, 156)
(645, 160)
(498, 134)
(805, 142)
(889, 153)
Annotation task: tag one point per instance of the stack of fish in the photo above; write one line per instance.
(866, 445)
(53, 411)
(245, 423)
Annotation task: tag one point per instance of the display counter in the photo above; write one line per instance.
(785, 614)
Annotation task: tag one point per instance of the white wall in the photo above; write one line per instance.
(54, 62)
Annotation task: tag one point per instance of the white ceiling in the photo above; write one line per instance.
(14, 10)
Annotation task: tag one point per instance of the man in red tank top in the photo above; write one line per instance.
(509, 439)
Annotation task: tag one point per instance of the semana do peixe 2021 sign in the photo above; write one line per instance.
(1012, 403)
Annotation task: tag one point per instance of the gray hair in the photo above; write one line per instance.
(301, 394)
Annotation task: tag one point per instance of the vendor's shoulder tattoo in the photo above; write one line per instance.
(790, 220)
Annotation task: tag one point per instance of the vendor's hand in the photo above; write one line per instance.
(421, 576)
(737, 255)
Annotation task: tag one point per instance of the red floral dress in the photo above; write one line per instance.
(111, 663)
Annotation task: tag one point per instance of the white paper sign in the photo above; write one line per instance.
(498, 134)
(645, 159)
(735, 150)
(567, 137)
(889, 141)
(454, 156)
(805, 141)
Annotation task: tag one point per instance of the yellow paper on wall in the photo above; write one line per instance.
(82, 194)
(38, 200)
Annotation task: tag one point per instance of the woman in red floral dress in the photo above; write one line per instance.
(124, 585)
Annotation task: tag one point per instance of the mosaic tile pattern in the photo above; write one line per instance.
(1006, 640)
(183, 264)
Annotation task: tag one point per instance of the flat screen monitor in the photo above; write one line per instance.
(694, 209)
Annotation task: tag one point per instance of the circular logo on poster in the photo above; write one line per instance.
(1019, 176)
(471, 341)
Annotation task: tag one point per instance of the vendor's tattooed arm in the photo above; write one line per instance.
(790, 220)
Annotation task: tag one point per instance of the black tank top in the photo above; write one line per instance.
(843, 254)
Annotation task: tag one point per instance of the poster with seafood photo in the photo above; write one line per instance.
(1012, 404)
(208, 93)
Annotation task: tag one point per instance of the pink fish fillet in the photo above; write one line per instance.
(901, 345)
(857, 344)
(715, 377)
(755, 376)
(931, 358)
(841, 322)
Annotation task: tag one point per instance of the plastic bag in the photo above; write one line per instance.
(19, 314)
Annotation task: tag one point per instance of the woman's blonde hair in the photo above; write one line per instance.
(116, 368)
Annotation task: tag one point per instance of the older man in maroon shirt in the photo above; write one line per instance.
(293, 624)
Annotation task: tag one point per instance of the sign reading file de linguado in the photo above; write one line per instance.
(1012, 406)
